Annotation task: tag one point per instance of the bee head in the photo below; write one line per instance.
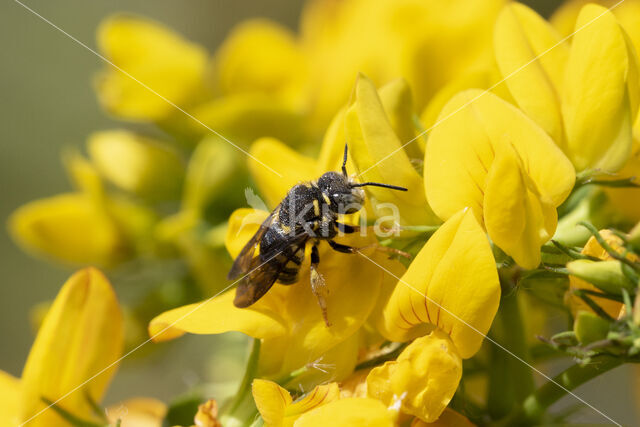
(342, 196)
(344, 193)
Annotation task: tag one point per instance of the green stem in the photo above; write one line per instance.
(421, 228)
(283, 381)
(535, 405)
(510, 380)
(242, 409)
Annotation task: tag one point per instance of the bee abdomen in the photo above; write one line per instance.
(291, 266)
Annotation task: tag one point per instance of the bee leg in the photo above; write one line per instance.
(318, 285)
(346, 228)
(352, 250)
(339, 247)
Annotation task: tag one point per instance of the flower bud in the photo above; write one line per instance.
(605, 275)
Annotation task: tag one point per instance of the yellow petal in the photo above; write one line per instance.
(320, 395)
(310, 339)
(628, 14)
(423, 299)
(336, 364)
(84, 175)
(68, 228)
(518, 220)
(596, 101)
(293, 167)
(215, 316)
(372, 139)
(478, 79)
(271, 401)
(386, 39)
(332, 149)
(9, 399)
(397, 101)
(277, 407)
(423, 379)
(261, 56)
(243, 117)
(481, 129)
(137, 412)
(351, 411)
(207, 415)
(155, 56)
(526, 52)
(137, 164)
(75, 352)
(243, 224)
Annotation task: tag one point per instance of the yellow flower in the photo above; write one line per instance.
(423, 379)
(72, 356)
(331, 404)
(593, 248)
(488, 156)
(89, 227)
(69, 228)
(321, 406)
(586, 96)
(277, 407)
(423, 299)
(259, 56)
(425, 376)
(136, 164)
(260, 85)
(153, 55)
(484, 78)
(377, 126)
(207, 415)
(390, 38)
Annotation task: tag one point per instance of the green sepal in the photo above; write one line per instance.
(590, 328)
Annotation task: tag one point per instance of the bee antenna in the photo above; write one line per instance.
(344, 161)
(379, 184)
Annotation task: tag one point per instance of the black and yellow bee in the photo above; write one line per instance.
(309, 211)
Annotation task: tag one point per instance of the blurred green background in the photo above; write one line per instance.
(48, 104)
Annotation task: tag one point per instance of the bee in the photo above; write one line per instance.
(308, 213)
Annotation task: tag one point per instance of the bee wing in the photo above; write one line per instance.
(243, 261)
(256, 283)
(263, 274)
